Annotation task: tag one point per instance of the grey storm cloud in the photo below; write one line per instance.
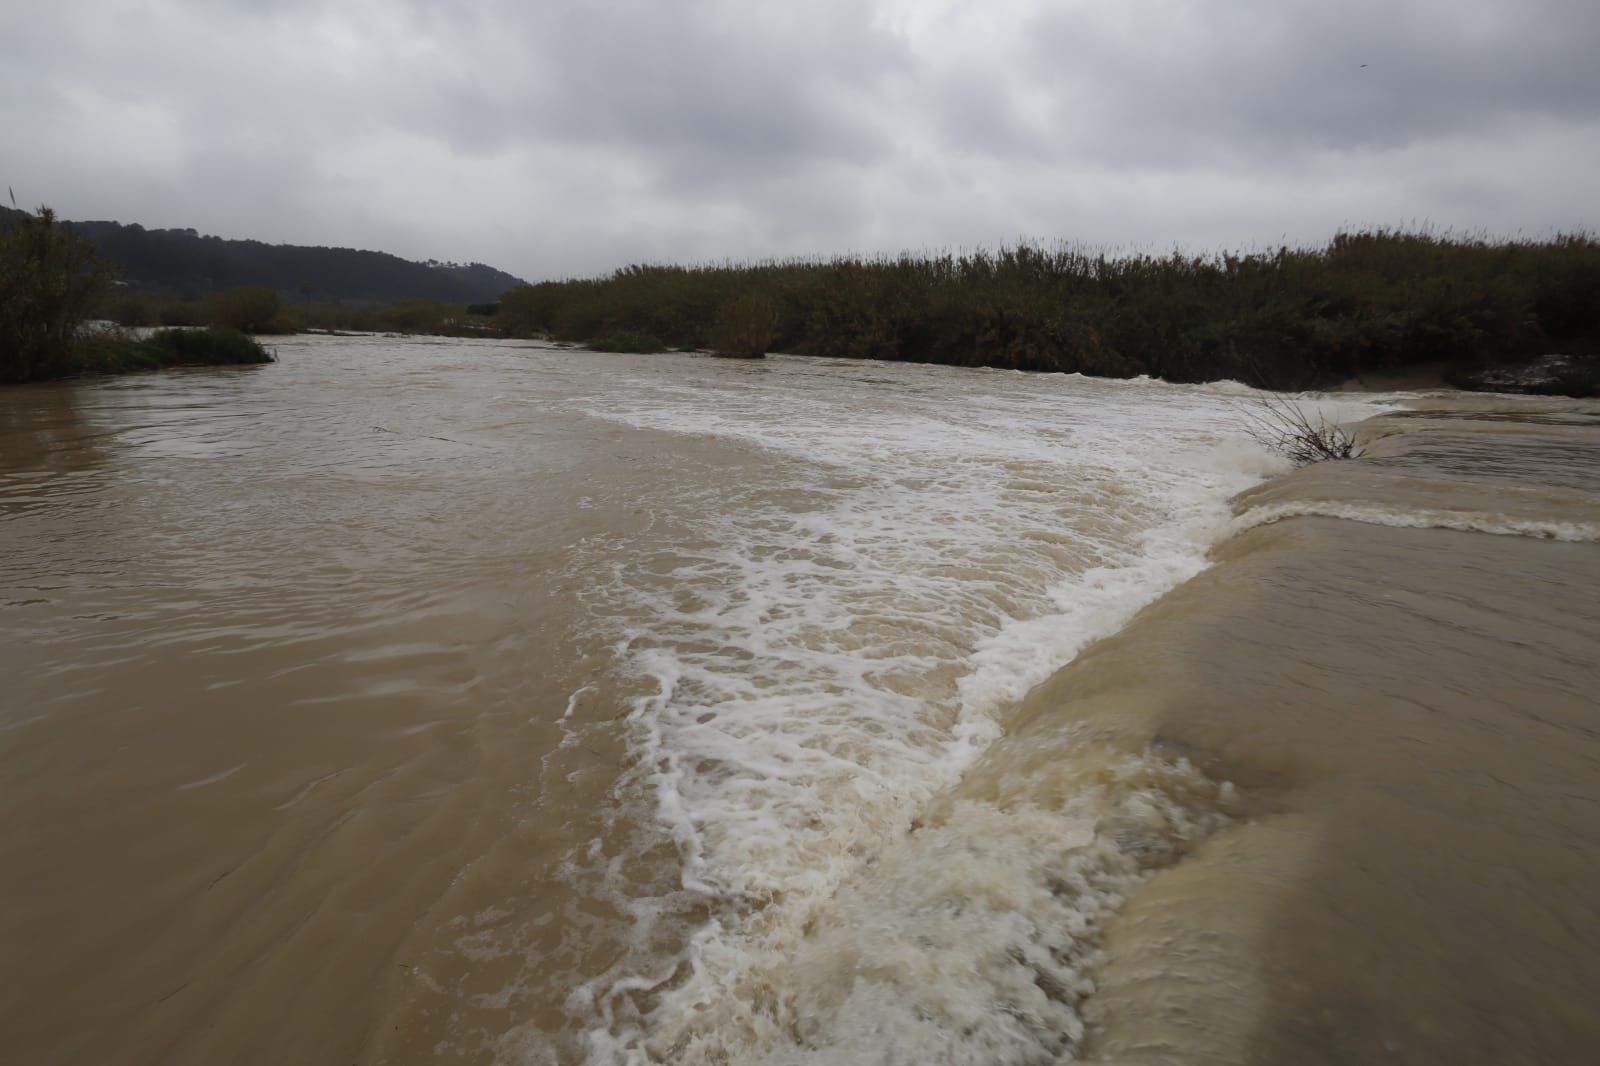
(1268, 78)
(555, 138)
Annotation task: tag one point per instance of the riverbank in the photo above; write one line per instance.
(1408, 718)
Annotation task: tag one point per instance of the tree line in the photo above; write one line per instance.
(181, 265)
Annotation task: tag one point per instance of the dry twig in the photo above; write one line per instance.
(1283, 426)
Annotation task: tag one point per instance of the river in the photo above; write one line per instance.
(494, 702)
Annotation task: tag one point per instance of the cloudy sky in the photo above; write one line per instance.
(560, 137)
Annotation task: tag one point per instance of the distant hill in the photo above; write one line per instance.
(183, 263)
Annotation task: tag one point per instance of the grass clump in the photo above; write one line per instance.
(627, 341)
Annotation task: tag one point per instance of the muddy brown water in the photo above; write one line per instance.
(434, 701)
(276, 698)
(1413, 716)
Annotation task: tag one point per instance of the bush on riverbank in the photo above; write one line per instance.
(118, 353)
(250, 309)
(50, 282)
(244, 308)
(1370, 301)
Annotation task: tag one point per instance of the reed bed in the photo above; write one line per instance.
(1369, 301)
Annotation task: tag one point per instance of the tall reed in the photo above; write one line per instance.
(1367, 301)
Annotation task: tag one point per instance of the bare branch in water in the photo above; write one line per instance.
(1283, 426)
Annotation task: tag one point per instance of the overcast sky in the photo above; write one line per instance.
(558, 137)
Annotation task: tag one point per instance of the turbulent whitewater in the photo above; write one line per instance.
(830, 649)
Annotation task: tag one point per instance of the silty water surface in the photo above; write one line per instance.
(500, 702)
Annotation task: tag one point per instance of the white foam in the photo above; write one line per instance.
(972, 940)
(830, 648)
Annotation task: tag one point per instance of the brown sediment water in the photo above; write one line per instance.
(473, 702)
(285, 670)
(1411, 717)
(478, 702)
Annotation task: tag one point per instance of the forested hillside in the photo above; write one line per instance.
(182, 264)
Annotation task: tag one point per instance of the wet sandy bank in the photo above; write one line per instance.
(1411, 716)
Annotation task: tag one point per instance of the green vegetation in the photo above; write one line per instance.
(119, 353)
(1366, 302)
(250, 309)
(744, 328)
(422, 316)
(626, 340)
(51, 282)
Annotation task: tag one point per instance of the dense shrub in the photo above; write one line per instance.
(132, 309)
(182, 313)
(421, 316)
(120, 353)
(207, 347)
(744, 327)
(249, 309)
(50, 283)
(1289, 317)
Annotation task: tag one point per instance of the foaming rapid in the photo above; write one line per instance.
(821, 657)
(977, 939)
